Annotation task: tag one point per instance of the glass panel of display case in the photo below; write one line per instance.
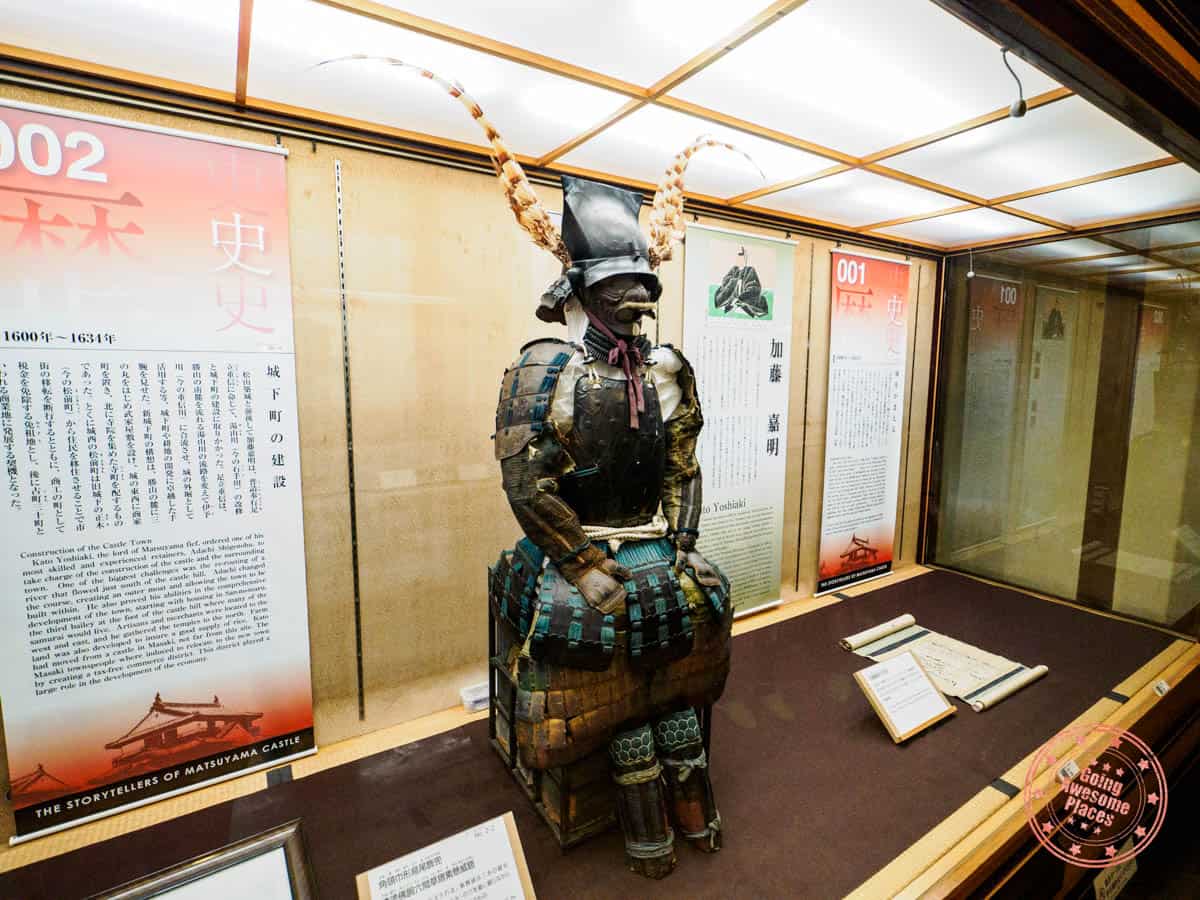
(1064, 459)
(1049, 252)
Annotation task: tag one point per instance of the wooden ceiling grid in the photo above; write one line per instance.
(640, 96)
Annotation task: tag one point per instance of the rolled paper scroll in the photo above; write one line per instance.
(992, 695)
(862, 638)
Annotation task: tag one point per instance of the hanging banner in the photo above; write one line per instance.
(864, 419)
(737, 333)
(153, 612)
(1056, 315)
(989, 411)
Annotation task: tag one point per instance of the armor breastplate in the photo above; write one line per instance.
(618, 470)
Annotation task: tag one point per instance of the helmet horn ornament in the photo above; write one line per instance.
(666, 214)
(530, 213)
(666, 211)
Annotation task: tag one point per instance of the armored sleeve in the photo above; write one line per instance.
(682, 482)
(533, 459)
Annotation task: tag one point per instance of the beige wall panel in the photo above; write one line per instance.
(442, 288)
(923, 294)
(325, 475)
(813, 448)
(796, 491)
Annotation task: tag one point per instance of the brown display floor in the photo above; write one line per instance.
(814, 795)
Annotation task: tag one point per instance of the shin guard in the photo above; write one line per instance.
(693, 808)
(641, 806)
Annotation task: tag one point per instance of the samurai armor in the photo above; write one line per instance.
(563, 714)
(513, 584)
(567, 631)
(600, 228)
(619, 471)
(660, 625)
(525, 394)
(641, 805)
(693, 809)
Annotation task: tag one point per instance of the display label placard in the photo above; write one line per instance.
(737, 333)
(903, 695)
(484, 862)
(868, 344)
(153, 623)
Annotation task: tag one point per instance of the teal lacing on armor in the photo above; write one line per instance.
(633, 748)
(678, 730)
(639, 553)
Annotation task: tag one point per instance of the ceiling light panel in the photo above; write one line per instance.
(973, 226)
(635, 40)
(1058, 142)
(194, 43)
(856, 198)
(642, 145)
(535, 111)
(1145, 193)
(860, 75)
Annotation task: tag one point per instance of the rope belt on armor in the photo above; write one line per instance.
(657, 527)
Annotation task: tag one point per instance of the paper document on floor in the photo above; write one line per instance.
(959, 669)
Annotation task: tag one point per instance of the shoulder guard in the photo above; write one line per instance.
(526, 392)
(685, 375)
